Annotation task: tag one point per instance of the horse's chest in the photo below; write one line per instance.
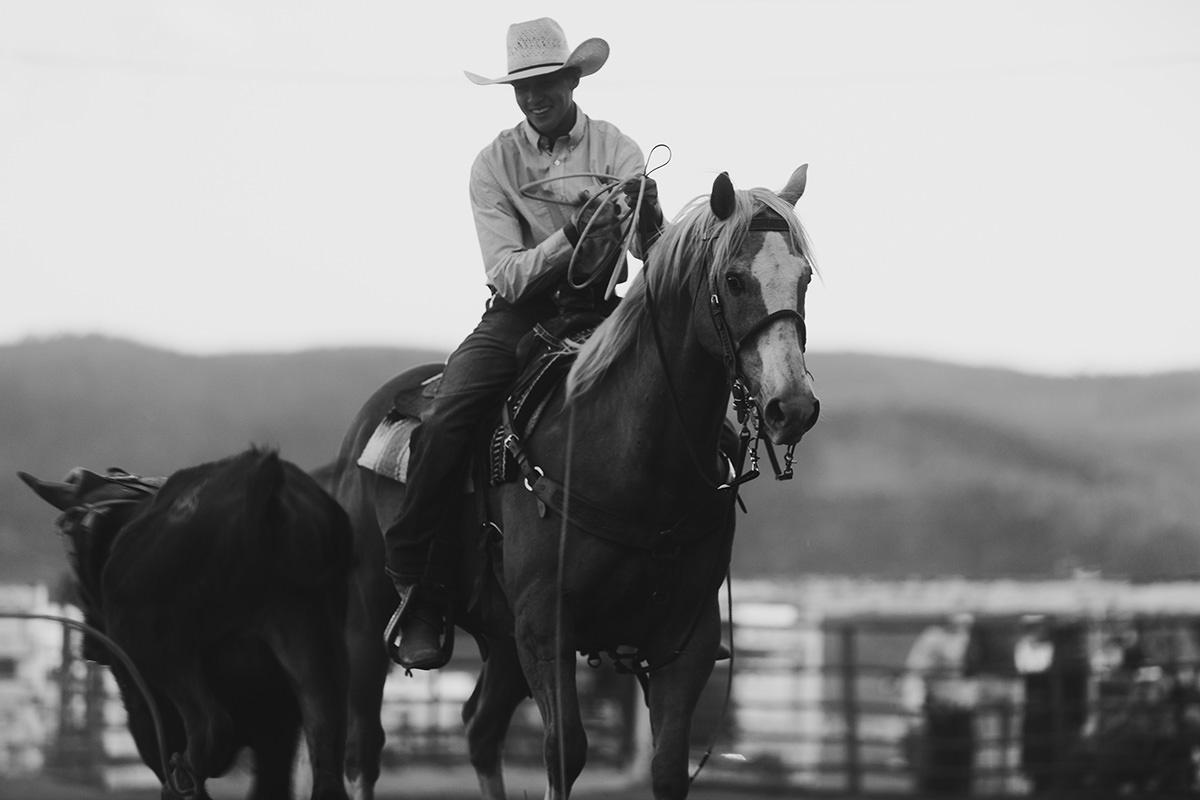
(635, 601)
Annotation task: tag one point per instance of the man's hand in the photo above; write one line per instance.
(633, 186)
(602, 216)
(650, 222)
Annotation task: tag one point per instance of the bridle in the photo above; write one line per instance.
(749, 411)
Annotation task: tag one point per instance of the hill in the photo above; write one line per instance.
(916, 467)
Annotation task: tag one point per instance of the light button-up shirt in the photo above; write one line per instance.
(524, 249)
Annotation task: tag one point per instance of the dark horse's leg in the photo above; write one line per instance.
(273, 739)
(368, 670)
(487, 713)
(674, 692)
(309, 650)
(370, 601)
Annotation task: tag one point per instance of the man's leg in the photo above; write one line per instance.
(475, 380)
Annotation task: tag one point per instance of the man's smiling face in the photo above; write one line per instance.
(546, 100)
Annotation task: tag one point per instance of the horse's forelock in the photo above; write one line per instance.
(695, 246)
(769, 199)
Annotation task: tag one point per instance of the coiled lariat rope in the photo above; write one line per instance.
(629, 222)
(169, 767)
(606, 194)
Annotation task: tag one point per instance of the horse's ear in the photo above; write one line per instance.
(60, 495)
(795, 185)
(722, 200)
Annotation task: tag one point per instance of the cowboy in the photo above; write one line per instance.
(940, 692)
(527, 239)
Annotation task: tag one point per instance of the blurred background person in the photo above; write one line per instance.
(1051, 657)
(941, 696)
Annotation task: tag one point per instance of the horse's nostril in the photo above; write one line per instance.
(773, 412)
(816, 412)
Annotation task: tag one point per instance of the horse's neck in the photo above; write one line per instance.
(654, 415)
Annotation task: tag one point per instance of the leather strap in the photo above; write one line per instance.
(621, 529)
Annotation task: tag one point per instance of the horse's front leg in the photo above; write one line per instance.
(548, 662)
(674, 691)
(487, 714)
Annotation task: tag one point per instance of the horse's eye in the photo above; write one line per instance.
(735, 283)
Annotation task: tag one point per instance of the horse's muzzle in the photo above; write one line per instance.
(786, 420)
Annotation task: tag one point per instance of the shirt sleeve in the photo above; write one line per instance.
(513, 270)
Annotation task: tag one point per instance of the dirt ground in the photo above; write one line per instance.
(423, 785)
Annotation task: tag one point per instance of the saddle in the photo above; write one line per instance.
(546, 354)
(88, 481)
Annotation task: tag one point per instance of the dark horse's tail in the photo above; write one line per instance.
(264, 482)
(310, 538)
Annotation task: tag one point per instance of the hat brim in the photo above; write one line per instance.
(588, 58)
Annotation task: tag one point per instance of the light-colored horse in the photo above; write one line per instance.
(630, 453)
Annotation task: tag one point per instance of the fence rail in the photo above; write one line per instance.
(818, 706)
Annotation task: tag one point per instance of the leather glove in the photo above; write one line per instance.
(649, 198)
(606, 224)
(651, 220)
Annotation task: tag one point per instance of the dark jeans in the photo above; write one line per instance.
(476, 379)
(949, 752)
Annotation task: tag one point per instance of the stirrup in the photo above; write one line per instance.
(391, 632)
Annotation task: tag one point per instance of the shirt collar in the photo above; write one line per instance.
(574, 137)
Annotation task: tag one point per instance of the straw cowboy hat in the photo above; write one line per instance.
(539, 47)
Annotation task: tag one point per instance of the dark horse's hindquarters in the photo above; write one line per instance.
(226, 586)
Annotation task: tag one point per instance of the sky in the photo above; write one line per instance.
(1011, 184)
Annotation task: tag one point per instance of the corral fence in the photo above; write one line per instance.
(823, 706)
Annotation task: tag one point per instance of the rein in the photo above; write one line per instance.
(173, 768)
(749, 413)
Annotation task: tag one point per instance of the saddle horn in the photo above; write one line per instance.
(60, 495)
(722, 200)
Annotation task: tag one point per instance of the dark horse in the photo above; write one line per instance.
(630, 452)
(226, 589)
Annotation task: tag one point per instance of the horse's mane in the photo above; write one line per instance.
(694, 247)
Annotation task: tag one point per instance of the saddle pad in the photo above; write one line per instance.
(386, 452)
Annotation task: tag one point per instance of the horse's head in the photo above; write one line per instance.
(732, 269)
(758, 276)
(94, 508)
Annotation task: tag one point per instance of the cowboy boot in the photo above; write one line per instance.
(421, 629)
(418, 636)
(414, 633)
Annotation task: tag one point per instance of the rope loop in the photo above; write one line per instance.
(606, 194)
